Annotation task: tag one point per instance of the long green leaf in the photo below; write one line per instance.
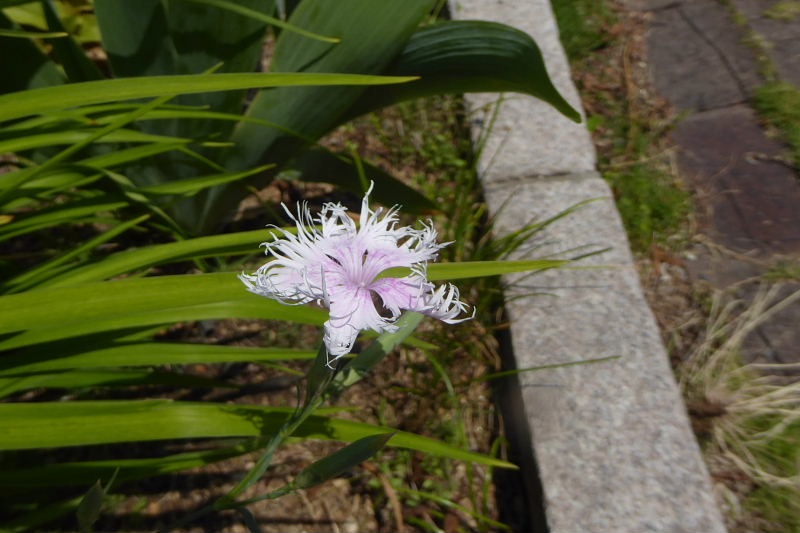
(116, 298)
(478, 269)
(467, 56)
(73, 379)
(81, 473)
(153, 300)
(124, 297)
(49, 358)
(32, 34)
(361, 364)
(124, 304)
(11, 3)
(73, 212)
(19, 143)
(184, 112)
(95, 136)
(249, 307)
(36, 101)
(193, 185)
(340, 461)
(131, 260)
(32, 276)
(119, 157)
(51, 424)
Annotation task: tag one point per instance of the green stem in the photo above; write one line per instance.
(314, 398)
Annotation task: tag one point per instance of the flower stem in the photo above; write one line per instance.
(316, 379)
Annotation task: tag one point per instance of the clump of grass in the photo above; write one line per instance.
(651, 207)
(628, 127)
(779, 104)
(746, 416)
(584, 25)
(785, 10)
(783, 271)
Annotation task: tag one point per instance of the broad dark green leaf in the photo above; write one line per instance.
(119, 298)
(136, 37)
(51, 424)
(322, 165)
(23, 64)
(69, 54)
(371, 34)
(341, 461)
(467, 56)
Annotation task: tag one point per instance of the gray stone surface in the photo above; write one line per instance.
(747, 199)
(651, 5)
(782, 35)
(613, 443)
(703, 64)
(528, 136)
(611, 440)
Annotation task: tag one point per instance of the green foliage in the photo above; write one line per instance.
(584, 24)
(653, 205)
(779, 104)
(98, 163)
(778, 504)
(278, 125)
(783, 271)
(784, 10)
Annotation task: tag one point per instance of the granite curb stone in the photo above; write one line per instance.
(611, 440)
(529, 136)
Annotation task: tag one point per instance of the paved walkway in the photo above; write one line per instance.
(748, 197)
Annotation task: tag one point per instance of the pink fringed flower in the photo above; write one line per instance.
(337, 265)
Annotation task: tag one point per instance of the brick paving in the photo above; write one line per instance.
(748, 197)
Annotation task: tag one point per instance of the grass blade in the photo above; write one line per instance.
(74, 379)
(22, 34)
(32, 276)
(50, 424)
(141, 354)
(131, 260)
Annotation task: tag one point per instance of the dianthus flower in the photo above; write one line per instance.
(337, 265)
